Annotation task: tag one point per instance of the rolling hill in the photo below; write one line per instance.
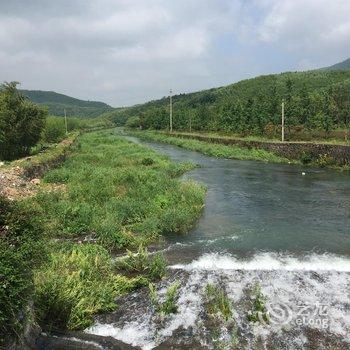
(316, 99)
(345, 65)
(74, 107)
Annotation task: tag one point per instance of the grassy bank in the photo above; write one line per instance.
(20, 241)
(113, 195)
(213, 149)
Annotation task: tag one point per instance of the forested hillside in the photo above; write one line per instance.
(74, 107)
(318, 99)
(341, 65)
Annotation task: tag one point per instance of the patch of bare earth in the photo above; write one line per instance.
(14, 185)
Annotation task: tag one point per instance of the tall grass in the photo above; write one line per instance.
(77, 283)
(122, 195)
(213, 149)
(114, 195)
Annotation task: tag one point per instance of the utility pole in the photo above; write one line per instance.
(171, 111)
(283, 121)
(65, 121)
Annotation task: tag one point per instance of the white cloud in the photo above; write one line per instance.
(125, 52)
(313, 26)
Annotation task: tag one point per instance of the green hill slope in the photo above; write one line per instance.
(74, 107)
(318, 99)
(340, 66)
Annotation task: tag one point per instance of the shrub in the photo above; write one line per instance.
(306, 157)
(21, 123)
(54, 130)
(133, 122)
(325, 160)
(21, 250)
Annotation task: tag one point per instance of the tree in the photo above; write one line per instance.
(21, 122)
(133, 122)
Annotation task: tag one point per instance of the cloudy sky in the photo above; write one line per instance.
(129, 51)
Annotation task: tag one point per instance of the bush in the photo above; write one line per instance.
(54, 130)
(20, 242)
(306, 157)
(133, 122)
(21, 123)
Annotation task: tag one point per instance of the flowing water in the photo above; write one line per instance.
(265, 224)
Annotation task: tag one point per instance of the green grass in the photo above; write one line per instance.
(20, 242)
(217, 302)
(220, 317)
(213, 149)
(168, 306)
(258, 312)
(78, 282)
(121, 193)
(154, 266)
(274, 138)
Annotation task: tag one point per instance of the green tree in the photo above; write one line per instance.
(133, 122)
(21, 122)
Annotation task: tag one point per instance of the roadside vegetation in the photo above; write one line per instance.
(213, 149)
(27, 129)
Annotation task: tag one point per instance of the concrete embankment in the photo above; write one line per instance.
(329, 153)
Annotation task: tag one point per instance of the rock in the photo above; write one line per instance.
(2, 163)
(35, 181)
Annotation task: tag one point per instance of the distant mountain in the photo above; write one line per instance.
(340, 66)
(74, 107)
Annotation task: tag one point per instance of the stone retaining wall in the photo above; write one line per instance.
(338, 154)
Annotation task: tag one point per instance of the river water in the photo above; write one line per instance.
(262, 223)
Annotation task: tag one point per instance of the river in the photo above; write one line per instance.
(282, 226)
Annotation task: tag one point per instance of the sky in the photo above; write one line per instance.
(127, 52)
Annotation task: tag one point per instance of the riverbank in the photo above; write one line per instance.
(117, 195)
(113, 196)
(308, 153)
(211, 148)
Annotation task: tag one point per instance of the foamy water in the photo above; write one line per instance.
(289, 284)
(269, 261)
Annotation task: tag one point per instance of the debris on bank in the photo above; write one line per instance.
(21, 178)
